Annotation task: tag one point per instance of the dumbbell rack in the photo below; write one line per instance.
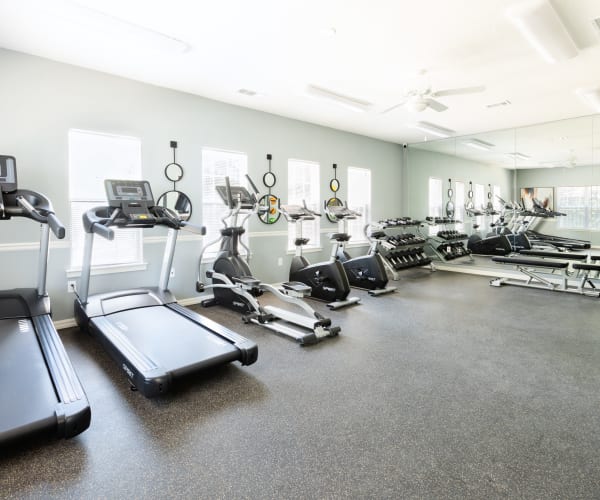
(447, 244)
(399, 244)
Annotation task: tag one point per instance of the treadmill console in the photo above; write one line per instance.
(8, 174)
(238, 193)
(133, 198)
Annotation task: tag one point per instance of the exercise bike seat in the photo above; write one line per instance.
(339, 236)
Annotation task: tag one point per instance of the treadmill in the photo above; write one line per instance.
(152, 339)
(41, 394)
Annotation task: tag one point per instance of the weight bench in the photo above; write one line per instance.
(558, 272)
(587, 272)
(555, 255)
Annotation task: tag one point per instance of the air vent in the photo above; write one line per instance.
(247, 92)
(506, 102)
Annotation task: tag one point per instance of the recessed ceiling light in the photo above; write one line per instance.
(542, 27)
(430, 128)
(478, 144)
(127, 33)
(506, 102)
(348, 102)
(250, 93)
(519, 156)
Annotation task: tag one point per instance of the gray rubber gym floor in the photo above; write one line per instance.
(448, 388)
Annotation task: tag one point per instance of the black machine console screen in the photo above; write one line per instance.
(237, 193)
(134, 198)
(8, 173)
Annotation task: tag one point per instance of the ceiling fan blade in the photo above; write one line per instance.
(393, 107)
(464, 90)
(436, 105)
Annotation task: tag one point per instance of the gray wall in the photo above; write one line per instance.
(42, 100)
(422, 164)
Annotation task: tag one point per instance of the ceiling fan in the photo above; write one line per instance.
(418, 100)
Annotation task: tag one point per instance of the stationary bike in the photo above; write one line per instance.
(328, 280)
(234, 286)
(365, 271)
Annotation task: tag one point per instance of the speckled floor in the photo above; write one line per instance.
(447, 389)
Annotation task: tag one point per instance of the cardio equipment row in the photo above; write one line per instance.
(152, 339)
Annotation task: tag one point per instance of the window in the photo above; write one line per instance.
(94, 157)
(435, 197)
(479, 197)
(459, 203)
(303, 186)
(359, 199)
(216, 165)
(496, 202)
(575, 202)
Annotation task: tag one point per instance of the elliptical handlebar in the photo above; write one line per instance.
(253, 186)
(311, 212)
(228, 191)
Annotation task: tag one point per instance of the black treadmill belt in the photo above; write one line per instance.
(170, 340)
(27, 400)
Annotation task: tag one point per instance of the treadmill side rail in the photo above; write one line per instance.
(248, 349)
(73, 411)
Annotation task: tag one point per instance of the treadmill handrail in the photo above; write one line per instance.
(33, 205)
(100, 219)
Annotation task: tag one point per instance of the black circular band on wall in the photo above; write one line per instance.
(174, 172)
(334, 185)
(269, 179)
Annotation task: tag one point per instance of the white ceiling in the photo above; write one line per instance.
(277, 47)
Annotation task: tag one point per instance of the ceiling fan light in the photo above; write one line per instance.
(417, 105)
(430, 128)
(348, 102)
(541, 26)
(590, 96)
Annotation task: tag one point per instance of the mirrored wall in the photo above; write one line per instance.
(555, 164)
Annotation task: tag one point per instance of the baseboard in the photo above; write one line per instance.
(70, 322)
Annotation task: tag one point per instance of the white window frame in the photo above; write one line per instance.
(435, 199)
(99, 165)
(359, 199)
(213, 208)
(497, 192)
(310, 229)
(459, 203)
(590, 209)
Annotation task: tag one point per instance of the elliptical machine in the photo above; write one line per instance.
(365, 271)
(492, 244)
(234, 286)
(328, 280)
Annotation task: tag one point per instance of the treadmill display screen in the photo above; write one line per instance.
(120, 191)
(8, 173)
